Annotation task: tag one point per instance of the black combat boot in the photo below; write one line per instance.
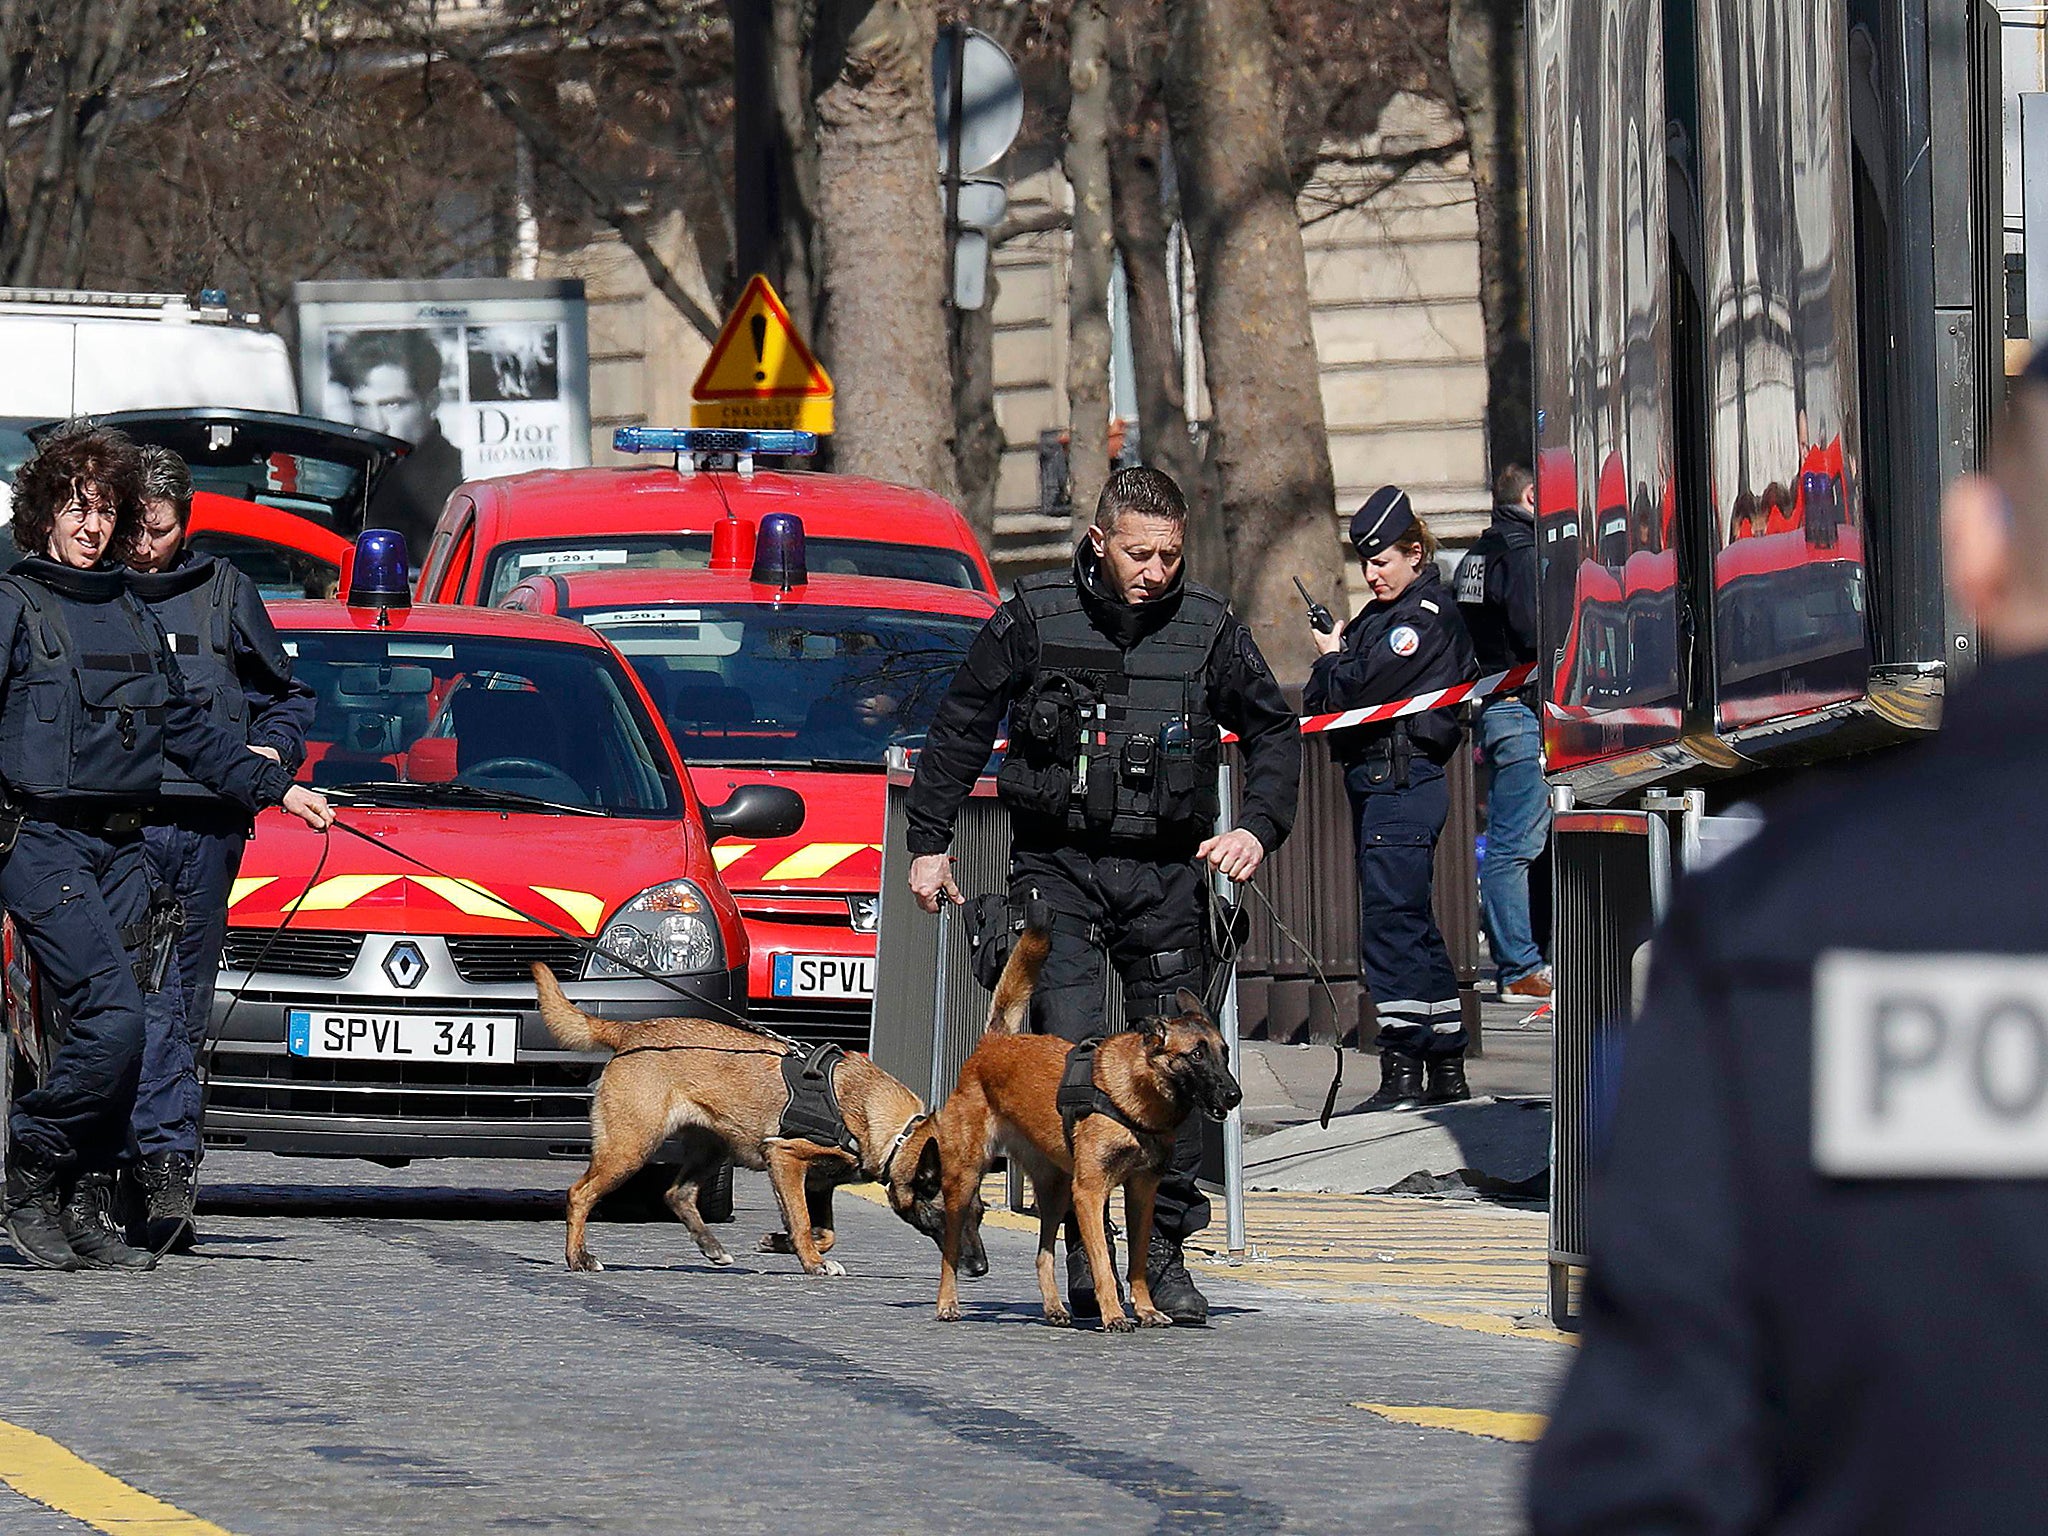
(1400, 1082)
(1447, 1083)
(92, 1229)
(1082, 1301)
(1173, 1289)
(168, 1186)
(31, 1210)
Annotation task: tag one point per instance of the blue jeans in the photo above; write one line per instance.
(1517, 826)
(196, 854)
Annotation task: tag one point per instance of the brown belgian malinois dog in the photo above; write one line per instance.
(1154, 1077)
(720, 1091)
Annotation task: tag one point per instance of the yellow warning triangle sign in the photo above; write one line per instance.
(760, 374)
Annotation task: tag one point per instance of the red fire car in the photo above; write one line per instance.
(768, 674)
(495, 534)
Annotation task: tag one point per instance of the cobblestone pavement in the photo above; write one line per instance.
(363, 1350)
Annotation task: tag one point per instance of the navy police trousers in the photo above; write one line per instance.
(195, 856)
(71, 893)
(1401, 950)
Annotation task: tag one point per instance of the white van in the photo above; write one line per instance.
(70, 353)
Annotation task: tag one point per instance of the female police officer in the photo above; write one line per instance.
(90, 704)
(237, 670)
(1409, 639)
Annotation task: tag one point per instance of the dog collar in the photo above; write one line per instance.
(888, 1157)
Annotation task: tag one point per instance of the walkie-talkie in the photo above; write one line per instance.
(1320, 618)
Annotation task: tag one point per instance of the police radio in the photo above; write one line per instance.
(1320, 619)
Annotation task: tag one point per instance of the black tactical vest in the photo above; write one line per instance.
(85, 717)
(195, 605)
(1116, 743)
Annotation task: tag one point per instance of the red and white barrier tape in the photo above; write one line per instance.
(1422, 703)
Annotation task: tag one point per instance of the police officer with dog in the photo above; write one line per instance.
(1815, 1299)
(1118, 676)
(236, 667)
(91, 706)
(1408, 640)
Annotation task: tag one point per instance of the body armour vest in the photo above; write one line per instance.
(195, 605)
(85, 716)
(1110, 742)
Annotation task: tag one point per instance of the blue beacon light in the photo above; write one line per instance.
(779, 559)
(378, 577)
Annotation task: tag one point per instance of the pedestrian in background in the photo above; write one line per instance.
(1408, 639)
(1496, 590)
(238, 672)
(91, 703)
(1817, 1299)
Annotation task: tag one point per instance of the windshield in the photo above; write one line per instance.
(400, 715)
(513, 563)
(751, 683)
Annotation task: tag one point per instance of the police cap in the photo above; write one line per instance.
(1382, 522)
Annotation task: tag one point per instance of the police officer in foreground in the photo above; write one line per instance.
(1408, 639)
(236, 668)
(1496, 588)
(91, 702)
(1818, 1291)
(1118, 676)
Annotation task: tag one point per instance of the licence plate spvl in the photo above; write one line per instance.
(368, 1036)
(1930, 1066)
(826, 976)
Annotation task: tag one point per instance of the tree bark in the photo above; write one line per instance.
(1268, 441)
(1144, 235)
(1487, 59)
(883, 276)
(1092, 256)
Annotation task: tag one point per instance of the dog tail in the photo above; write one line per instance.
(1015, 985)
(578, 1030)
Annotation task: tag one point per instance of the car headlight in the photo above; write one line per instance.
(668, 929)
(867, 912)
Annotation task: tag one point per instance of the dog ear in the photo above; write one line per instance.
(1188, 1003)
(926, 1182)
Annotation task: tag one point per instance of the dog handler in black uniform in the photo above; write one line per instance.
(90, 703)
(1409, 639)
(1817, 1298)
(235, 666)
(1118, 676)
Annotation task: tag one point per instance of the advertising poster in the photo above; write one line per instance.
(482, 376)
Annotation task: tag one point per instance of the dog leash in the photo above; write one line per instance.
(1337, 1046)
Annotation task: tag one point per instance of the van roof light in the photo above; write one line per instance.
(714, 447)
(378, 577)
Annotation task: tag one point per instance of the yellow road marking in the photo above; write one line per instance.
(816, 859)
(730, 854)
(38, 1468)
(247, 885)
(339, 891)
(585, 909)
(467, 896)
(1521, 1428)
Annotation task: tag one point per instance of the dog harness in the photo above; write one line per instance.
(812, 1113)
(1080, 1096)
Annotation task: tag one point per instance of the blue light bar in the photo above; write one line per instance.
(712, 440)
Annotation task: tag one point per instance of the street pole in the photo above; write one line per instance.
(1226, 1025)
(756, 171)
(956, 112)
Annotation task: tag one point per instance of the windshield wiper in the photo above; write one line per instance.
(450, 790)
(863, 764)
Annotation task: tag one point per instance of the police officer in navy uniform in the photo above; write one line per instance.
(236, 667)
(1409, 639)
(1497, 594)
(1817, 1299)
(91, 702)
(1118, 676)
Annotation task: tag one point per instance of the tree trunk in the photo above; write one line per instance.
(1487, 58)
(1144, 234)
(1268, 441)
(1092, 259)
(977, 435)
(883, 276)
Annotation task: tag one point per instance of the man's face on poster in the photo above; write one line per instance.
(385, 402)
